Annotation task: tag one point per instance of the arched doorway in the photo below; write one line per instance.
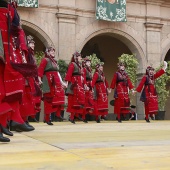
(108, 49)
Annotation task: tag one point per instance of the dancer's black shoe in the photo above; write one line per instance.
(119, 120)
(147, 120)
(3, 139)
(72, 121)
(49, 123)
(15, 126)
(85, 121)
(98, 120)
(6, 131)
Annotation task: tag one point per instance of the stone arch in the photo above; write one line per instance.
(120, 31)
(34, 29)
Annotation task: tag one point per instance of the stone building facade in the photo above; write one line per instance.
(71, 25)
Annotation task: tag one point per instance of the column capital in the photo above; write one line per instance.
(153, 26)
(67, 18)
(155, 2)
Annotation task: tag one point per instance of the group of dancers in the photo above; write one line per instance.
(20, 93)
(87, 92)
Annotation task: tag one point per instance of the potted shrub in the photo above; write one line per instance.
(162, 92)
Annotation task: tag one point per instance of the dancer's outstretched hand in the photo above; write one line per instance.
(133, 92)
(165, 65)
(109, 90)
(40, 81)
(86, 87)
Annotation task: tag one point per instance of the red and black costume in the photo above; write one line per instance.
(52, 87)
(122, 84)
(100, 86)
(5, 108)
(149, 95)
(89, 96)
(75, 89)
(11, 79)
(28, 106)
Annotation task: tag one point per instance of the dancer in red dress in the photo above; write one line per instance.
(75, 87)
(31, 86)
(11, 79)
(148, 95)
(100, 86)
(34, 82)
(122, 84)
(5, 108)
(52, 85)
(89, 97)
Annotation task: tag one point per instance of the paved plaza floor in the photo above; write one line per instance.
(131, 145)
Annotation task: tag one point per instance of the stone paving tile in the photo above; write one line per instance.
(134, 145)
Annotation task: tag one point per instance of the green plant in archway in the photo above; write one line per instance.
(38, 56)
(161, 87)
(63, 66)
(131, 66)
(94, 61)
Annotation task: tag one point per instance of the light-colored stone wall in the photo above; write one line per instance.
(70, 24)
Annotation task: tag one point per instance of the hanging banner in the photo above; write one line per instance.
(28, 3)
(111, 10)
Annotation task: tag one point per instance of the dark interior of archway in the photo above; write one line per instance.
(167, 57)
(108, 49)
(105, 46)
(39, 46)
